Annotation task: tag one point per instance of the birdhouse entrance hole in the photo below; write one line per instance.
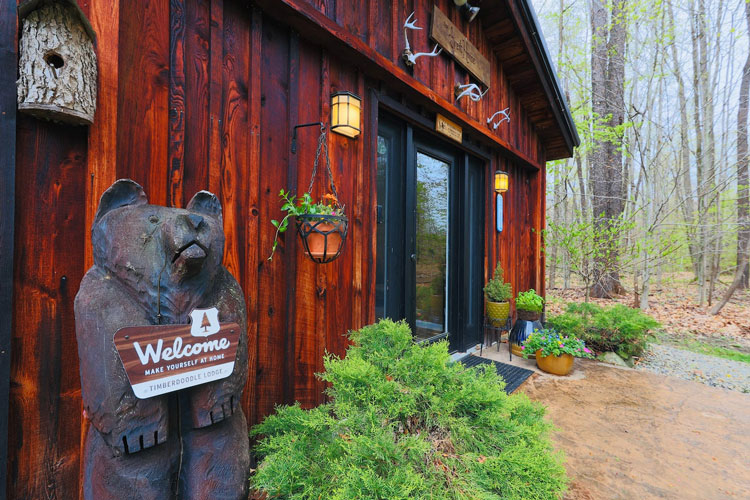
(54, 60)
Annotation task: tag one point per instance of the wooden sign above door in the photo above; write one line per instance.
(448, 36)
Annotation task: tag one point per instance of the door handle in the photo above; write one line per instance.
(413, 257)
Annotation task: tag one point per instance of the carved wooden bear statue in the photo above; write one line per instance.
(152, 266)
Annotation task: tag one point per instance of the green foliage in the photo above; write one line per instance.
(618, 328)
(403, 422)
(496, 289)
(552, 343)
(328, 205)
(529, 301)
(701, 347)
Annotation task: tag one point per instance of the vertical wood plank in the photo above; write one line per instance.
(176, 148)
(274, 155)
(8, 58)
(255, 253)
(101, 161)
(234, 138)
(216, 102)
(198, 50)
(290, 257)
(362, 209)
(321, 277)
(45, 409)
(143, 103)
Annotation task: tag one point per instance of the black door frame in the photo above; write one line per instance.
(8, 61)
(466, 254)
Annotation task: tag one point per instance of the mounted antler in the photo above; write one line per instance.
(470, 89)
(410, 58)
(506, 117)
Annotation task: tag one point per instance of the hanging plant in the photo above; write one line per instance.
(321, 225)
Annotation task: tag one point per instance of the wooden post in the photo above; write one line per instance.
(8, 57)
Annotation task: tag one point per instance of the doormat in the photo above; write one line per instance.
(513, 375)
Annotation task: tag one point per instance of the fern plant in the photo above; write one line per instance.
(403, 422)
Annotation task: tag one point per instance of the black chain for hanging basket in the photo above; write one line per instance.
(322, 235)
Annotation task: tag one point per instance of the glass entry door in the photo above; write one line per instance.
(431, 262)
(429, 236)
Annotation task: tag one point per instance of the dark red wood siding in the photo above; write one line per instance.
(203, 94)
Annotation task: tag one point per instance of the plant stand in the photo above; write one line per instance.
(491, 331)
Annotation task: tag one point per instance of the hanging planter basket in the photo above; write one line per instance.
(322, 236)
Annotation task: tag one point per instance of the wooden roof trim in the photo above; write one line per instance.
(531, 34)
(303, 17)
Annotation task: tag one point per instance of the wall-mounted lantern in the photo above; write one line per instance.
(501, 186)
(501, 181)
(466, 10)
(345, 111)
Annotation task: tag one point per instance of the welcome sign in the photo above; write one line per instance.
(161, 359)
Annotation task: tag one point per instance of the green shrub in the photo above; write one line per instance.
(402, 422)
(496, 289)
(618, 328)
(530, 301)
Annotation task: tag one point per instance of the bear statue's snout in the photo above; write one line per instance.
(189, 259)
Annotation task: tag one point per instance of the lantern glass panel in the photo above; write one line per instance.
(345, 114)
(501, 182)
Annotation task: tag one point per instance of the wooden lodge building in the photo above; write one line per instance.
(206, 94)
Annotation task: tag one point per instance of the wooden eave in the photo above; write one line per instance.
(513, 31)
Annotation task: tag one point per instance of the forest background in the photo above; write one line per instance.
(653, 210)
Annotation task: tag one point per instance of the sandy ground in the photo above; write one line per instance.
(635, 435)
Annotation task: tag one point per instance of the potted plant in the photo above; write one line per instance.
(529, 306)
(497, 294)
(554, 352)
(321, 224)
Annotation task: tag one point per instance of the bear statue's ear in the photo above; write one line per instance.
(206, 203)
(122, 193)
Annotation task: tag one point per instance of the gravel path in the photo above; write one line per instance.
(709, 370)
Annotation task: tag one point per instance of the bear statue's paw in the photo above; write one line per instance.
(221, 410)
(142, 437)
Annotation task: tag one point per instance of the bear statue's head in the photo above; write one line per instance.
(149, 247)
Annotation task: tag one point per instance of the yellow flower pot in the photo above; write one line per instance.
(498, 312)
(556, 365)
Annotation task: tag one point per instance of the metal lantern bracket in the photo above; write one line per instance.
(294, 133)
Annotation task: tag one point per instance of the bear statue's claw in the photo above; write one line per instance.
(220, 411)
(142, 438)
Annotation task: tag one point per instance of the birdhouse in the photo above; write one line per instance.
(57, 62)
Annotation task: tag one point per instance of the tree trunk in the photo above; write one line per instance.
(686, 187)
(608, 100)
(743, 179)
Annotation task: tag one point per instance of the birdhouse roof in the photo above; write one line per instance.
(28, 6)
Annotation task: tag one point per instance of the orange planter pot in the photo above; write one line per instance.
(317, 241)
(556, 365)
